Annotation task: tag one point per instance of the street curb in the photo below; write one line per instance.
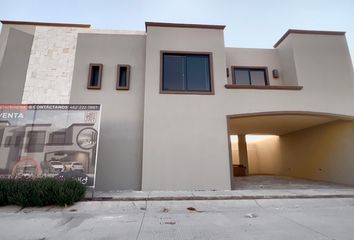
(205, 198)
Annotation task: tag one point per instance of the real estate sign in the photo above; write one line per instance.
(49, 140)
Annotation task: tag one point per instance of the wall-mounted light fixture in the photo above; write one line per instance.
(275, 73)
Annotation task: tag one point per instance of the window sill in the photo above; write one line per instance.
(59, 144)
(274, 87)
(187, 92)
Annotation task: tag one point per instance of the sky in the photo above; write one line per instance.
(249, 23)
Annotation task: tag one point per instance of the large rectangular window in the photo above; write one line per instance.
(95, 76)
(250, 76)
(36, 141)
(186, 73)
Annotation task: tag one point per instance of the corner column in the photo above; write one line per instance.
(242, 151)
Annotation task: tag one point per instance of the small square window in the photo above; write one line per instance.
(95, 76)
(123, 77)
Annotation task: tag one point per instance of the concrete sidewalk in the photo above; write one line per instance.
(220, 195)
(265, 219)
(250, 187)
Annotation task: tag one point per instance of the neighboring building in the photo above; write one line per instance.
(174, 96)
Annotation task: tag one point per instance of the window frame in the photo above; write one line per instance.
(52, 135)
(250, 68)
(89, 86)
(35, 148)
(118, 77)
(7, 142)
(2, 131)
(211, 73)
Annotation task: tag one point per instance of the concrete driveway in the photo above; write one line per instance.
(321, 218)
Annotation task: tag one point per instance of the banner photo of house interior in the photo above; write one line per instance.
(57, 140)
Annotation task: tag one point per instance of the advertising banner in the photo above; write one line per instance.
(49, 140)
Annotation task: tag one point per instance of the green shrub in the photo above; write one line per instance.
(4, 191)
(40, 192)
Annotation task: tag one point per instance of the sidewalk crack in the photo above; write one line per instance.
(142, 220)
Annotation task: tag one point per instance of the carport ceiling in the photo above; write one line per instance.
(277, 124)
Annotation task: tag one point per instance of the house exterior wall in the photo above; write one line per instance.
(247, 57)
(15, 52)
(324, 68)
(287, 62)
(158, 141)
(170, 161)
(201, 160)
(323, 152)
(5, 29)
(51, 65)
(120, 148)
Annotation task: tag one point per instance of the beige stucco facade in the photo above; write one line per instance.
(171, 141)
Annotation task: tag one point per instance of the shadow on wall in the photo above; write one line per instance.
(324, 152)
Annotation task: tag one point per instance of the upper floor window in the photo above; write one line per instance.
(123, 77)
(59, 138)
(186, 73)
(36, 141)
(7, 142)
(1, 135)
(95, 76)
(249, 76)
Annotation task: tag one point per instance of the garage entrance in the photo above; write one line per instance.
(290, 149)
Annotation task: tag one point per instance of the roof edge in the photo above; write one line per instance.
(46, 24)
(299, 31)
(183, 25)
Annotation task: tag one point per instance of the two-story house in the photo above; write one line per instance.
(181, 111)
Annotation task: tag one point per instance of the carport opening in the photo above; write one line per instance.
(282, 150)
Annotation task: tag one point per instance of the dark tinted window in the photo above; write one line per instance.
(36, 141)
(95, 75)
(198, 73)
(189, 72)
(250, 76)
(242, 77)
(174, 72)
(7, 142)
(57, 138)
(1, 135)
(123, 77)
(19, 141)
(258, 77)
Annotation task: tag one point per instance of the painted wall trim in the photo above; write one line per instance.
(47, 24)
(183, 25)
(298, 31)
(303, 113)
(267, 87)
